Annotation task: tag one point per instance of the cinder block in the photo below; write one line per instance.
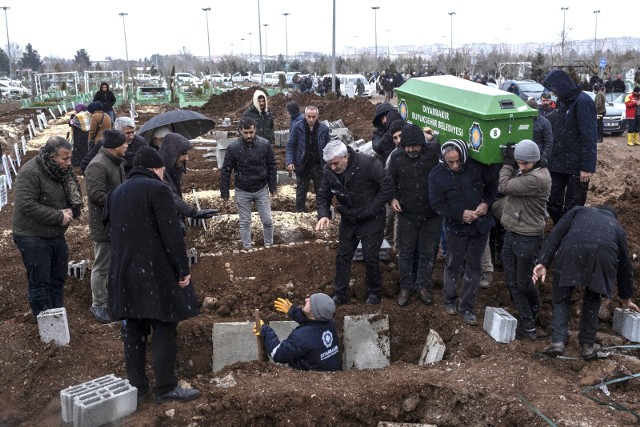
(53, 326)
(342, 134)
(383, 254)
(499, 324)
(105, 405)
(281, 138)
(627, 323)
(366, 342)
(68, 395)
(282, 328)
(283, 177)
(433, 350)
(192, 255)
(221, 149)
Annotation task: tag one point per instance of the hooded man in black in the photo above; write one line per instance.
(108, 99)
(574, 153)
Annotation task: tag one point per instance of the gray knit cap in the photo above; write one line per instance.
(322, 307)
(527, 151)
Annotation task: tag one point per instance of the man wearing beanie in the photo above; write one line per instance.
(104, 173)
(526, 183)
(149, 280)
(418, 224)
(313, 345)
(304, 154)
(175, 154)
(294, 112)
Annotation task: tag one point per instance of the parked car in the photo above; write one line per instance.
(142, 78)
(13, 91)
(614, 122)
(526, 88)
(238, 77)
(186, 78)
(214, 78)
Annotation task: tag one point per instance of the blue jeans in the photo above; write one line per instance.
(45, 260)
(244, 200)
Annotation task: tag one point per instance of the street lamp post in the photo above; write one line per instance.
(388, 45)
(126, 48)
(242, 51)
(266, 46)
(286, 37)
(206, 14)
(564, 21)
(595, 33)
(375, 26)
(6, 23)
(451, 26)
(250, 48)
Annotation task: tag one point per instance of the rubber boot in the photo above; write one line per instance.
(635, 140)
(630, 138)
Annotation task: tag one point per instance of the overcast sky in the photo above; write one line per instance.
(59, 29)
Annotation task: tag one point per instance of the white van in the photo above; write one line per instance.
(186, 78)
(348, 85)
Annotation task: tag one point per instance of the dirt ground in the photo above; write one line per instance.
(479, 383)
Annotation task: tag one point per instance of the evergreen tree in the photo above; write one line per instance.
(31, 59)
(82, 60)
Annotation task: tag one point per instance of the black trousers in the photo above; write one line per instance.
(463, 252)
(417, 236)
(310, 173)
(164, 351)
(567, 192)
(561, 298)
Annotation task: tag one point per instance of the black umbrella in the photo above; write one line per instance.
(187, 123)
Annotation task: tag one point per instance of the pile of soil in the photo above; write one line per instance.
(479, 382)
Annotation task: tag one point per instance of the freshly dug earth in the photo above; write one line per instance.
(479, 383)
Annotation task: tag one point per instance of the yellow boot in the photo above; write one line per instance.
(630, 138)
(635, 138)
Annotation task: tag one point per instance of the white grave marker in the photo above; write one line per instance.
(23, 141)
(59, 110)
(17, 151)
(5, 167)
(52, 115)
(4, 193)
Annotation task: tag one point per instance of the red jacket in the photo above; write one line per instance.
(630, 101)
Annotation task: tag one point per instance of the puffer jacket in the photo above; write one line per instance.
(254, 165)
(543, 135)
(104, 173)
(631, 106)
(380, 128)
(526, 197)
(296, 152)
(575, 133)
(264, 119)
(384, 145)
(361, 194)
(409, 179)
(451, 193)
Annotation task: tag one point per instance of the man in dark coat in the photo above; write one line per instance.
(304, 154)
(418, 225)
(574, 153)
(47, 199)
(313, 345)
(618, 85)
(381, 140)
(590, 248)
(103, 174)
(294, 112)
(259, 111)
(547, 109)
(108, 99)
(356, 180)
(462, 190)
(254, 164)
(149, 280)
(542, 131)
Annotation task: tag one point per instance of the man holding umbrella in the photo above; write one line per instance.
(187, 123)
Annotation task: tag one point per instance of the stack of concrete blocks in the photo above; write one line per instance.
(283, 177)
(366, 342)
(221, 148)
(383, 253)
(281, 138)
(335, 124)
(192, 255)
(341, 134)
(77, 270)
(99, 401)
(499, 324)
(234, 341)
(433, 350)
(53, 326)
(627, 323)
(362, 146)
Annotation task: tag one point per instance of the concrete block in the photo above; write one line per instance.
(283, 177)
(105, 404)
(282, 328)
(69, 394)
(342, 134)
(499, 324)
(366, 148)
(366, 342)
(53, 326)
(433, 350)
(221, 149)
(383, 253)
(281, 138)
(192, 255)
(335, 124)
(627, 324)
(233, 342)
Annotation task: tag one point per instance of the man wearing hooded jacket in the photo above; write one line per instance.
(462, 190)
(574, 153)
(418, 225)
(260, 112)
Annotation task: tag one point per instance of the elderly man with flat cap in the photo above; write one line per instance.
(313, 345)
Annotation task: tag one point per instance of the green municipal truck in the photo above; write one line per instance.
(486, 118)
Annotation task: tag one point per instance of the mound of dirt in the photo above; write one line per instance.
(480, 382)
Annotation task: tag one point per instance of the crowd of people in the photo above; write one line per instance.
(423, 195)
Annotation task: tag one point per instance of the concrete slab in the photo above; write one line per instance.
(54, 326)
(499, 324)
(366, 342)
(433, 350)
